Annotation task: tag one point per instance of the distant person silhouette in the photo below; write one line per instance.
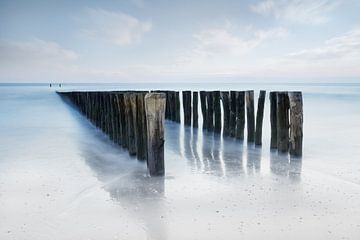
(50, 84)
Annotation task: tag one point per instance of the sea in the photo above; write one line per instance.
(62, 178)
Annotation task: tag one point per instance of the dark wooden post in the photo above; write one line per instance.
(282, 121)
(134, 119)
(203, 108)
(240, 115)
(259, 118)
(210, 111)
(195, 110)
(177, 107)
(141, 126)
(296, 123)
(250, 115)
(155, 114)
(217, 111)
(131, 144)
(168, 105)
(187, 107)
(226, 108)
(172, 109)
(273, 120)
(232, 120)
(124, 119)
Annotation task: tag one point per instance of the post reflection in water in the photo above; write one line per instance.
(284, 165)
(253, 159)
(128, 184)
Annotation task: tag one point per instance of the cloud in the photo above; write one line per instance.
(34, 51)
(346, 46)
(220, 43)
(115, 27)
(338, 57)
(297, 11)
(34, 59)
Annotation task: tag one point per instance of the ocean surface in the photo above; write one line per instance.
(61, 178)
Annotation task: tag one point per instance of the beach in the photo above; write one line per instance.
(61, 178)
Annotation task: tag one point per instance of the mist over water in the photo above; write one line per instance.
(61, 178)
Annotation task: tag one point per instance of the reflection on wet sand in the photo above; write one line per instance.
(210, 153)
(129, 185)
(283, 165)
(253, 157)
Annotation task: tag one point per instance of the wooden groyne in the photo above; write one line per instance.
(131, 119)
(135, 119)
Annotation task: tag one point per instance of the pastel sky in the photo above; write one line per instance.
(183, 40)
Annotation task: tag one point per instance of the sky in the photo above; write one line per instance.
(168, 40)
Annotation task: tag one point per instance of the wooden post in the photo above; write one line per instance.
(250, 115)
(240, 115)
(167, 108)
(131, 144)
(203, 108)
(172, 105)
(232, 121)
(273, 120)
(226, 108)
(187, 107)
(217, 111)
(155, 108)
(124, 119)
(282, 121)
(177, 107)
(141, 126)
(134, 119)
(210, 111)
(259, 118)
(195, 110)
(296, 123)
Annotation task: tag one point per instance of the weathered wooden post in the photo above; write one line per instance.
(134, 119)
(195, 110)
(240, 115)
(282, 121)
(250, 115)
(177, 107)
(226, 107)
(259, 118)
(118, 119)
(273, 120)
(141, 126)
(203, 108)
(187, 107)
(217, 111)
(131, 144)
(232, 121)
(296, 123)
(155, 115)
(172, 106)
(167, 110)
(124, 119)
(210, 111)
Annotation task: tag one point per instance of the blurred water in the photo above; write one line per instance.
(61, 178)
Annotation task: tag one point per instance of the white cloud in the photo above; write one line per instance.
(217, 44)
(34, 51)
(34, 59)
(115, 27)
(346, 46)
(337, 57)
(298, 11)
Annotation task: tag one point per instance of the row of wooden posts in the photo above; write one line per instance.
(135, 119)
(286, 115)
(131, 119)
